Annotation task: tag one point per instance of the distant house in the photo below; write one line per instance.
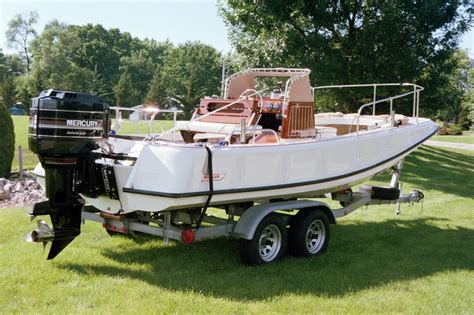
(16, 110)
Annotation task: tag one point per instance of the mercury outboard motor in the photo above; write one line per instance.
(65, 128)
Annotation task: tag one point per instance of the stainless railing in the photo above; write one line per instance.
(151, 110)
(416, 97)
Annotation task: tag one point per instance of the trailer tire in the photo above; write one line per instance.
(383, 193)
(309, 233)
(269, 243)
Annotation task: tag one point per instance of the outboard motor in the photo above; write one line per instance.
(65, 128)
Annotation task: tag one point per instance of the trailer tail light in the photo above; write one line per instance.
(187, 236)
(114, 228)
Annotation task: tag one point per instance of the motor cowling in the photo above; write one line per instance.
(65, 128)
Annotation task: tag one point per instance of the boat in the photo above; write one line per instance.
(260, 142)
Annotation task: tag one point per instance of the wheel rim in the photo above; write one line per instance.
(269, 243)
(315, 236)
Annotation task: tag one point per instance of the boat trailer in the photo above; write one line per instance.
(265, 230)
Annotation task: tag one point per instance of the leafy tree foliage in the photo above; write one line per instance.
(20, 32)
(450, 84)
(137, 71)
(92, 59)
(351, 41)
(189, 72)
(11, 67)
(54, 53)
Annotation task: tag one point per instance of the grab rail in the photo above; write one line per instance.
(154, 111)
(416, 97)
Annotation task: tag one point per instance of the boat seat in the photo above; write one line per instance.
(264, 138)
(204, 136)
(325, 132)
(199, 130)
(208, 127)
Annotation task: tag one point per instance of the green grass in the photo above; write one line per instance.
(419, 262)
(21, 138)
(129, 127)
(456, 139)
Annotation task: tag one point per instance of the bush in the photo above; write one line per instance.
(7, 141)
(454, 130)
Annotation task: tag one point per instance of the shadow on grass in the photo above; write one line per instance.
(430, 168)
(360, 256)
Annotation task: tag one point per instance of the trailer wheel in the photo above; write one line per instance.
(309, 233)
(269, 243)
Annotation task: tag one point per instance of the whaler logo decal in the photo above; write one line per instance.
(82, 123)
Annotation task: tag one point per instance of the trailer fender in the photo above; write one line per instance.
(250, 219)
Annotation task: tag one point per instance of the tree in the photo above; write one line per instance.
(448, 84)
(348, 41)
(94, 60)
(190, 71)
(7, 142)
(7, 91)
(98, 86)
(125, 93)
(20, 32)
(10, 68)
(458, 85)
(137, 71)
(100, 50)
(470, 96)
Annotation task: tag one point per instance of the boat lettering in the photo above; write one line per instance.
(82, 123)
(215, 177)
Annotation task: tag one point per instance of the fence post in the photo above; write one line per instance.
(20, 159)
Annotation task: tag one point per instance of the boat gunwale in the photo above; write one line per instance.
(159, 142)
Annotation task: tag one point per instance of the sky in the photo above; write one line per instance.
(178, 21)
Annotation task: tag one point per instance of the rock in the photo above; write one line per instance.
(28, 183)
(16, 192)
(19, 187)
(7, 187)
(4, 194)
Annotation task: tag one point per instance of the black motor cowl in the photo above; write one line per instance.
(65, 128)
(66, 123)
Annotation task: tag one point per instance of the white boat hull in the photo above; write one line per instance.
(170, 176)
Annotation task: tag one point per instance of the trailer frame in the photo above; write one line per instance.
(178, 224)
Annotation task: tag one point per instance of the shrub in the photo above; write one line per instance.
(7, 141)
(454, 130)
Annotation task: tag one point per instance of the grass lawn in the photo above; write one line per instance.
(21, 138)
(457, 139)
(419, 262)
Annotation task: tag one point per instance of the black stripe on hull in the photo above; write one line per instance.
(272, 187)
